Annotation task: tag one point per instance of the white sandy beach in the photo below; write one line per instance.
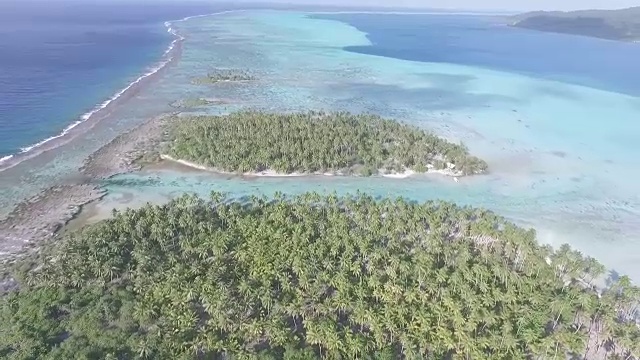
(266, 173)
(408, 173)
(272, 173)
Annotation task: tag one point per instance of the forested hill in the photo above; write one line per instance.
(623, 24)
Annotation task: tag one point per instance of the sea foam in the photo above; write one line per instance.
(3, 159)
(166, 58)
(86, 116)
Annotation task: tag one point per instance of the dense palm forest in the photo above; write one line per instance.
(252, 141)
(312, 277)
(224, 75)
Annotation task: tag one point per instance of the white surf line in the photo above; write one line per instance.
(86, 116)
(211, 14)
(164, 60)
(3, 159)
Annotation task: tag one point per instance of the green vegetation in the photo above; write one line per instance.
(312, 277)
(623, 24)
(224, 75)
(313, 142)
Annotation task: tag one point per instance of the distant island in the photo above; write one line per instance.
(253, 142)
(223, 76)
(622, 25)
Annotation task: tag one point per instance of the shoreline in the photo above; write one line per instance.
(98, 112)
(272, 173)
(170, 56)
(266, 173)
(54, 207)
(42, 217)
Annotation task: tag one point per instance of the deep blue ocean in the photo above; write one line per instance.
(59, 59)
(485, 41)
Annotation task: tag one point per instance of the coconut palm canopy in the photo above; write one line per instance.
(312, 277)
(253, 141)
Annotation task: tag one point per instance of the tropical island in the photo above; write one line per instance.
(312, 277)
(623, 24)
(253, 142)
(224, 76)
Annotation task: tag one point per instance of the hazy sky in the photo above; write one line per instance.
(478, 4)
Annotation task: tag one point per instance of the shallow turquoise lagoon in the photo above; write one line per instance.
(563, 157)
